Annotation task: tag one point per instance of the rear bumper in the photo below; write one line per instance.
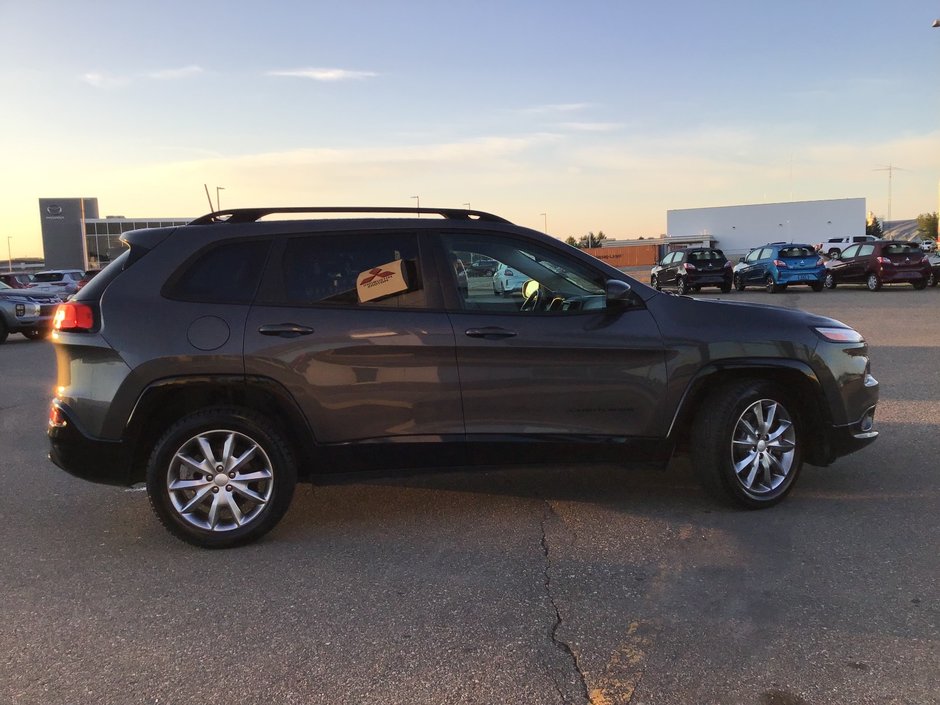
(904, 275)
(803, 277)
(89, 458)
(722, 278)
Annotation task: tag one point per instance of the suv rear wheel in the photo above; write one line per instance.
(220, 477)
(873, 282)
(772, 286)
(747, 446)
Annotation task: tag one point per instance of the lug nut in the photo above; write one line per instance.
(218, 468)
(228, 488)
(215, 490)
(232, 474)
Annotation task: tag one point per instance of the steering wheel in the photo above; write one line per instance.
(533, 296)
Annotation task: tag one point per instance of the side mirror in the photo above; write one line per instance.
(836, 255)
(619, 292)
(740, 259)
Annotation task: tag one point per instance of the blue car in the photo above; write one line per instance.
(777, 265)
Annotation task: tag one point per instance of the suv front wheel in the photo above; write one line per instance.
(746, 445)
(221, 477)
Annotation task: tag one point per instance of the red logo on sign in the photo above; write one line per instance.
(376, 273)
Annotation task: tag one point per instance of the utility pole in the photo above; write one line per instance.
(890, 169)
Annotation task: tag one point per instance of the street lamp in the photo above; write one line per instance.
(418, 206)
(218, 205)
(467, 205)
(545, 221)
(10, 251)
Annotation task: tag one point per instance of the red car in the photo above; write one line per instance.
(16, 280)
(877, 263)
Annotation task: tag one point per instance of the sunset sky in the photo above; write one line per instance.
(602, 115)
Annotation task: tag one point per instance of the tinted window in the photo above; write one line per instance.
(850, 252)
(228, 273)
(797, 251)
(564, 284)
(865, 250)
(901, 249)
(48, 277)
(325, 269)
(706, 256)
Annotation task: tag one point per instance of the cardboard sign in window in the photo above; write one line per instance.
(384, 280)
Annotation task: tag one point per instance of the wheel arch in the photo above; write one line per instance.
(798, 378)
(165, 401)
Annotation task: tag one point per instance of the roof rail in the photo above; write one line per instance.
(251, 215)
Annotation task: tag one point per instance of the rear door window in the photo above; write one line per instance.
(353, 270)
(850, 252)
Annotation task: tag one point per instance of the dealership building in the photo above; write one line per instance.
(75, 237)
(736, 229)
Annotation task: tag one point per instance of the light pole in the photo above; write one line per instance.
(10, 251)
(418, 206)
(218, 205)
(467, 205)
(544, 222)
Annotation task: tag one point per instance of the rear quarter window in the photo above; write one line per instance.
(227, 273)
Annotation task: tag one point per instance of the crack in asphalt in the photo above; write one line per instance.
(559, 644)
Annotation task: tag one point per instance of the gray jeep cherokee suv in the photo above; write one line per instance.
(222, 361)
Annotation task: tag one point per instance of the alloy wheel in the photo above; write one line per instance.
(220, 480)
(763, 447)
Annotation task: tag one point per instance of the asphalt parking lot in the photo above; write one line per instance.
(552, 584)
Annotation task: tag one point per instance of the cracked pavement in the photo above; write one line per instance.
(537, 585)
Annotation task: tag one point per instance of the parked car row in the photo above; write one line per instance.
(779, 265)
(51, 281)
(26, 311)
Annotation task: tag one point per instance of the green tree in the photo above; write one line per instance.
(571, 241)
(874, 228)
(592, 240)
(927, 225)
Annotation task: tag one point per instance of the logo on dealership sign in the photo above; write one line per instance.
(54, 210)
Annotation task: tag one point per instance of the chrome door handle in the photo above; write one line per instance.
(490, 333)
(284, 330)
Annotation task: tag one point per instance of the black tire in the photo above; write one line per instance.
(720, 440)
(682, 288)
(873, 282)
(654, 282)
(922, 284)
(932, 279)
(725, 288)
(695, 289)
(739, 283)
(3, 332)
(230, 433)
(35, 334)
(830, 281)
(771, 286)
(816, 286)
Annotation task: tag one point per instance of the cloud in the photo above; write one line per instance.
(555, 108)
(325, 74)
(592, 126)
(170, 74)
(103, 80)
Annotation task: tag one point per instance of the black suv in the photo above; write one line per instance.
(690, 269)
(222, 361)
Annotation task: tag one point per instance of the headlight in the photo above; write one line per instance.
(839, 335)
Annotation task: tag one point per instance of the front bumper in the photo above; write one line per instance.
(83, 456)
(844, 440)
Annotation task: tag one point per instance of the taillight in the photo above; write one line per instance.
(74, 316)
(884, 260)
(688, 267)
(726, 265)
(780, 264)
(820, 262)
(56, 417)
(925, 260)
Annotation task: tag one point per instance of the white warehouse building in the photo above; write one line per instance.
(736, 229)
